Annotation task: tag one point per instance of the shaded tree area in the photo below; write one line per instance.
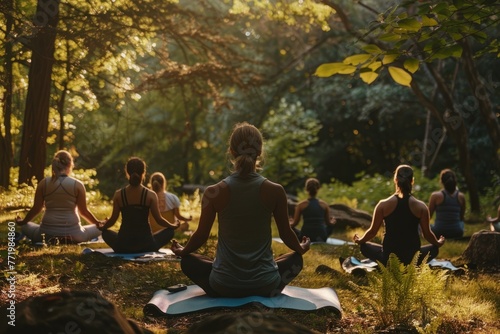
(167, 80)
(442, 40)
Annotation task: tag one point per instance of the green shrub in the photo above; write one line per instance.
(404, 295)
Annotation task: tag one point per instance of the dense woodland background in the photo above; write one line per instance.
(340, 89)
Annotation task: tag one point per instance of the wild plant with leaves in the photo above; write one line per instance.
(404, 295)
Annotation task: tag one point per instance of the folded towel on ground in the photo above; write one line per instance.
(194, 299)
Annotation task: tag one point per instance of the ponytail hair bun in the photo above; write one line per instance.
(61, 163)
(403, 178)
(136, 169)
(245, 147)
(448, 180)
(312, 186)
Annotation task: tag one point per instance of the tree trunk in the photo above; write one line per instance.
(483, 249)
(482, 94)
(6, 153)
(36, 116)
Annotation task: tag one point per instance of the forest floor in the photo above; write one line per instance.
(474, 296)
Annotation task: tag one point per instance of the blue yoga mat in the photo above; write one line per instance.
(194, 299)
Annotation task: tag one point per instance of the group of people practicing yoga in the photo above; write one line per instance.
(245, 204)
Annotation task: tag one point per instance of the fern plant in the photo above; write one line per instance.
(408, 295)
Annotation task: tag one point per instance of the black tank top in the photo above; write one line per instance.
(401, 232)
(135, 232)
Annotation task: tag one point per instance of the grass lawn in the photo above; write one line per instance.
(470, 302)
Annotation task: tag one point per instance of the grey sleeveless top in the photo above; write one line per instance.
(244, 258)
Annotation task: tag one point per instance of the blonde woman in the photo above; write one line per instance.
(168, 203)
(64, 200)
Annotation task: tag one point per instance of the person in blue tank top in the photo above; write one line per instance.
(402, 214)
(135, 202)
(244, 203)
(449, 205)
(317, 223)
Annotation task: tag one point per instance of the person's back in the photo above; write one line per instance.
(135, 233)
(60, 216)
(244, 259)
(449, 205)
(314, 221)
(401, 232)
(448, 222)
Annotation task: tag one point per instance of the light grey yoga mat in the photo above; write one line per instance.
(163, 254)
(194, 299)
(330, 241)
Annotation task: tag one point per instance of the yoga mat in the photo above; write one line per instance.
(330, 241)
(445, 264)
(351, 263)
(194, 299)
(164, 254)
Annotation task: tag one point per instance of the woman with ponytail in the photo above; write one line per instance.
(317, 222)
(244, 203)
(449, 205)
(65, 200)
(402, 215)
(135, 202)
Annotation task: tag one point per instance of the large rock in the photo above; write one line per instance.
(344, 215)
(483, 249)
(349, 217)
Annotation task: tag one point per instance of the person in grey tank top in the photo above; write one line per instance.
(244, 204)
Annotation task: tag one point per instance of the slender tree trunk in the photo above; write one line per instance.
(455, 126)
(33, 147)
(6, 152)
(482, 94)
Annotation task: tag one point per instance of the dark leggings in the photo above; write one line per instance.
(160, 239)
(198, 268)
(375, 252)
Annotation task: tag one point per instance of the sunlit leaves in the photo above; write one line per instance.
(400, 76)
(412, 65)
(357, 59)
(389, 58)
(368, 76)
(327, 70)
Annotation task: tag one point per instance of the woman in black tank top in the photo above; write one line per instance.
(402, 214)
(134, 202)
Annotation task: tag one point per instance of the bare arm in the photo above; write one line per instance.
(116, 211)
(207, 218)
(496, 219)
(38, 204)
(378, 218)
(432, 204)
(328, 219)
(274, 195)
(297, 214)
(178, 215)
(81, 203)
(463, 205)
(423, 214)
(155, 211)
